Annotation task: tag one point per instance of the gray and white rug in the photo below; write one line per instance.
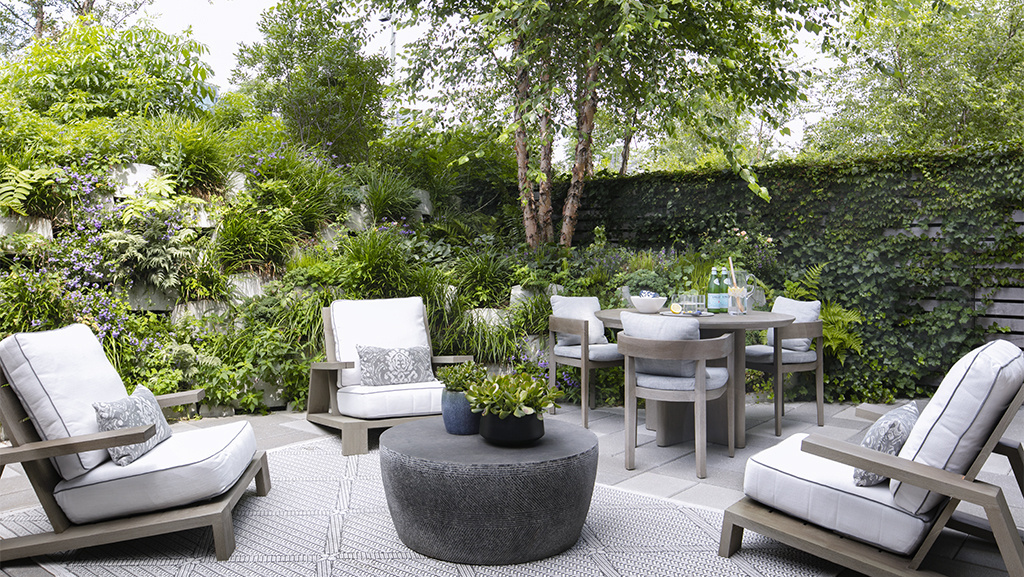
(327, 516)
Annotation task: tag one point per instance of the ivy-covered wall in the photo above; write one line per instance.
(918, 243)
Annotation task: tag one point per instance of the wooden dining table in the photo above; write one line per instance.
(712, 326)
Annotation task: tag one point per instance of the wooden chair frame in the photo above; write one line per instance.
(998, 524)
(778, 369)
(701, 351)
(34, 454)
(580, 328)
(322, 404)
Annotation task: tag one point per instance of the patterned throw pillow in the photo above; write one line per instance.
(381, 366)
(139, 410)
(887, 435)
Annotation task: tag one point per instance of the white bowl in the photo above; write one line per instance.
(648, 304)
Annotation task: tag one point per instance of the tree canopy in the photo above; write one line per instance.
(547, 66)
(22, 20)
(926, 76)
(309, 69)
(90, 70)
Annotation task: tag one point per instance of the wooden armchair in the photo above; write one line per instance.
(111, 497)
(801, 492)
(339, 399)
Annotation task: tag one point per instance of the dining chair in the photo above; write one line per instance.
(789, 351)
(666, 361)
(576, 338)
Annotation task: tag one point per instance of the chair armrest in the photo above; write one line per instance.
(904, 470)
(871, 412)
(70, 445)
(451, 359)
(807, 330)
(568, 326)
(331, 365)
(182, 398)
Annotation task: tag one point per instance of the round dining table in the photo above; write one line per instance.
(713, 325)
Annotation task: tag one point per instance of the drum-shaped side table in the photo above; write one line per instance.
(459, 499)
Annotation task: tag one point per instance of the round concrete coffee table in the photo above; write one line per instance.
(459, 499)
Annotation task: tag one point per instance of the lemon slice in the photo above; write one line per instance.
(675, 308)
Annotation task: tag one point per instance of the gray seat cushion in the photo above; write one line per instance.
(717, 377)
(766, 355)
(602, 353)
(961, 416)
(804, 311)
(662, 328)
(58, 375)
(583, 309)
(823, 492)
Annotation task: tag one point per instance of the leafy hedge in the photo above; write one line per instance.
(909, 240)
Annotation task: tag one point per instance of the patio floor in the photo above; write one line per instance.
(666, 472)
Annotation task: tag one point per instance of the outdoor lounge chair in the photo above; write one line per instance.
(802, 491)
(576, 338)
(392, 335)
(191, 479)
(666, 360)
(789, 351)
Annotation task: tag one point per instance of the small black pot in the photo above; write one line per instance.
(458, 418)
(511, 431)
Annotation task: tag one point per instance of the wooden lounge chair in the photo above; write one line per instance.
(382, 323)
(923, 496)
(37, 457)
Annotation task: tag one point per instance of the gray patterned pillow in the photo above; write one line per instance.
(381, 366)
(138, 410)
(887, 435)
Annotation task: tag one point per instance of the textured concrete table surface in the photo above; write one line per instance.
(459, 499)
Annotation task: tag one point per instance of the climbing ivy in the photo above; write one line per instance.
(911, 241)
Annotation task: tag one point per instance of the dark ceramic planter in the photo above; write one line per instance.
(458, 419)
(511, 431)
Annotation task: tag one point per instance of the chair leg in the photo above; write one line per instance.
(355, 439)
(585, 395)
(552, 371)
(630, 415)
(819, 382)
(700, 423)
(224, 535)
(1007, 537)
(263, 478)
(780, 406)
(732, 536)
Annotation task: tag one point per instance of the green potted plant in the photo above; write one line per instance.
(455, 410)
(512, 408)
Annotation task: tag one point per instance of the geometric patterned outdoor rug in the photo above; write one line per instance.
(326, 516)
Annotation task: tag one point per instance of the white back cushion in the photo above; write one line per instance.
(660, 328)
(58, 375)
(804, 311)
(388, 323)
(955, 424)
(583, 309)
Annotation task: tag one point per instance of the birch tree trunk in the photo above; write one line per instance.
(526, 197)
(544, 209)
(584, 153)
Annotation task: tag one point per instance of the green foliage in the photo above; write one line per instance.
(16, 186)
(644, 279)
(926, 77)
(840, 336)
(153, 250)
(375, 264)
(461, 376)
(255, 238)
(191, 149)
(386, 193)
(484, 276)
(90, 70)
(516, 394)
